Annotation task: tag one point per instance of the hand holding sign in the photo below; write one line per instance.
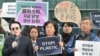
(61, 44)
(74, 49)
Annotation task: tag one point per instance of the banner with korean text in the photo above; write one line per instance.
(8, 10)
(32, 13)
(87, 48)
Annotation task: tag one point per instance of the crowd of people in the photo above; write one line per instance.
(16, 44)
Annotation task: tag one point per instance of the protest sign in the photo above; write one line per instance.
(95, 17)
(87, 48)
(9, 10)
(67, 11)
(48, 46)
(32, 13)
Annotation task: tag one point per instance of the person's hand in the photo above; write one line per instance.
(74, 49)
(14, 44)
(36, 48)
(61, 44)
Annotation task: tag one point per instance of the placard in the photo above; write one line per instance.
(67, 11)
(9, 10)
(87, 48)
(95, 17)
(48, 46)
(32, 13)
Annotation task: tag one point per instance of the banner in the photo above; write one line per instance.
(67, 11)
(95, 16)
(87, 48)
(9, 10)
(48, 46)
(32, 13)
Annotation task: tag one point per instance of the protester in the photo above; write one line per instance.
(85, 34)
(33, 34)
(51, 30)
(67, 31)
(17, 44)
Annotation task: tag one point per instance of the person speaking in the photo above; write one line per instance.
(18, 44)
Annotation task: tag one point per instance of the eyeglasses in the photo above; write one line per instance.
(15, 28)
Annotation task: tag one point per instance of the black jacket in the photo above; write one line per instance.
(24, 48)
(66, 37)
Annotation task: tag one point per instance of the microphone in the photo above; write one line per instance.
(17, 40)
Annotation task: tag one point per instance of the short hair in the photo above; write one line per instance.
(14, 22)
(34, 28)
(68, 24)
(54, 25)
(87, 18)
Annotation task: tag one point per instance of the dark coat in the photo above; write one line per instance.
(66, 37)
(24, 48)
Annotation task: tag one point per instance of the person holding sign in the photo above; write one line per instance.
(17, 44)
(51, 30)
(85, 34)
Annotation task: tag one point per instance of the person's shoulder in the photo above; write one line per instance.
(9, 38)
(93, 34)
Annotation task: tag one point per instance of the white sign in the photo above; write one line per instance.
(87, 48)
(9, 10)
